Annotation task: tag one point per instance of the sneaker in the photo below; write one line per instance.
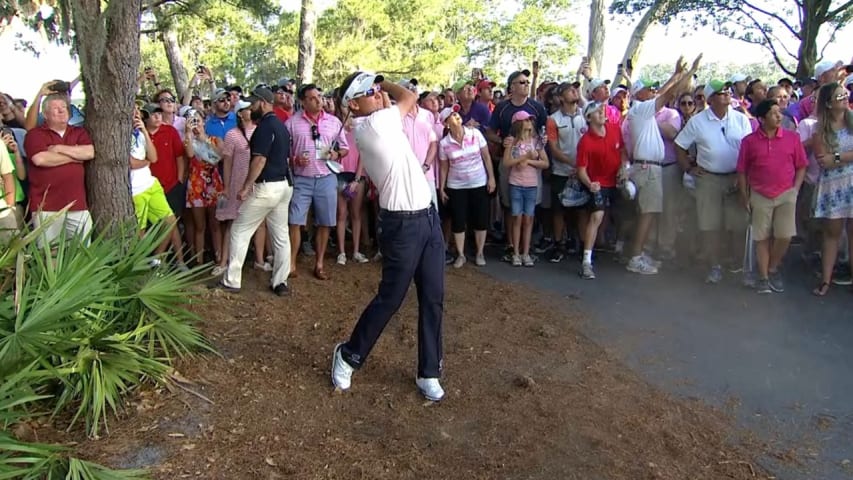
(639, 265)
(527, 261)
(460, 260)
(224, 288)
(154, 263)
(843, 279)
(509, 252)
(430, 388)
(750, 279)
(762, 286)
(777, 283)
(516, 261)
(556, 255)
(218, 270)
(308, 249)
(448, 257)
(651, 261)
(543, 245)
(342, 259)
(182, 267)
(341, 370)
(281, 290)
(587, 273)
(715, 276)
(480, 261)
(359, 257)
(377, 257)
(263, 266)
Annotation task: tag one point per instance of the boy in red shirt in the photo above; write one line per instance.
(601, 161)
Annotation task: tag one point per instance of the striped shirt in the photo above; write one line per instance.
(330, 131)
(466, 162)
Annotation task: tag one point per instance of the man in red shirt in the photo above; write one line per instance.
(283, 106)
(601, 160)
(56, 153)
(171, 166)
(771, 166)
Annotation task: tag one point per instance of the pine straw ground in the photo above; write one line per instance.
(527, 397)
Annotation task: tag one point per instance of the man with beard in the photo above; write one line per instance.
(265, 195)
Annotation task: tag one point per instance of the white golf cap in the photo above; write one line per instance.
(362, 82)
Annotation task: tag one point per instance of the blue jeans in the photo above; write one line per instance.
(522, 200)
(412, 247)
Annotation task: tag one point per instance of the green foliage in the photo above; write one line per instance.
(436, 41)
(80, 326)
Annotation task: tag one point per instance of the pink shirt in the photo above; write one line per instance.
(419, 129)
(669, 116)
(466, 169)
(350, 160)
(523, 176)
(613, 115)
(770, 164)
(301, 141)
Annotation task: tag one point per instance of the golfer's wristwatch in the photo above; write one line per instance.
(837, 158)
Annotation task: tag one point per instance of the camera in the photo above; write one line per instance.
(60, 86)
(199, 69)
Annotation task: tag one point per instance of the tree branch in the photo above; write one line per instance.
(837, 11)
(776, 16)
(768, 44)
(835, 30)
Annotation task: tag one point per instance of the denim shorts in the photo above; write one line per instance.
(522, 200)
(322, 193)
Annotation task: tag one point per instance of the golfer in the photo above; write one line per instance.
(410, 237)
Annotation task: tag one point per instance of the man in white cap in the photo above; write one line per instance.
(644, 132)
(738, 83)
(409, 231)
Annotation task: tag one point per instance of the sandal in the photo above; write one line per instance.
(320, 274)
(821, 289)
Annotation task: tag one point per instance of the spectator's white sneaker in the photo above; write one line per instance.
(342, 259)
(218, 270)
(651, 261)
(460, 261)
(266, 266)
(430, 388)
(480, 260)
(341, 370)
(638, 265)
(359, 257)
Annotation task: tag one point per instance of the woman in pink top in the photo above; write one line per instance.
(466, 180)
(351, 186)
(235, 169)
(524, 156)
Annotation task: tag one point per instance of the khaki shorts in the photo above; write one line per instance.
(649, 184)
(717, 205)
(774, 215)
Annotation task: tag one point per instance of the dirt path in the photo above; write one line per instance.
(527, 398)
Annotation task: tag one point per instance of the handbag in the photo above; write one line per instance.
(574, 194)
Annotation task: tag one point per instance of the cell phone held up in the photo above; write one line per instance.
(61, 87)
(200, 69)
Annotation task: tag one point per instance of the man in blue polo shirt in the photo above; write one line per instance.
(265, 194)
(222, 118)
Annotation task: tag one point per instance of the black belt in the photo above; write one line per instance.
(720, 173)
(406, 213)
(643, 162)
(280, 178)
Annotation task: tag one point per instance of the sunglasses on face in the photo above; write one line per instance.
(841, 96)
(368, 93)
(224, 100)
(686, 103)
(167, 100)
(522, 82)
(315, 133)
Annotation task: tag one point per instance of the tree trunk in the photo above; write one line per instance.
(809, 29)
(635, 43)
(307, 27)
(173, 53)
(108, 46)
(595, 50)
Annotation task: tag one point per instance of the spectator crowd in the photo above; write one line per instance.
(721, 174)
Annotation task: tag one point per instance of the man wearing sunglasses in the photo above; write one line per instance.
(283, 106)
(409, 232)
(222, 118)
(316, 137)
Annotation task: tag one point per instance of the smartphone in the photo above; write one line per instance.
(536, 64)
(477, 74)
(619, 69)
(6, 131)
(199, 69)
(630, 64)
(61, 87)
(584, 59)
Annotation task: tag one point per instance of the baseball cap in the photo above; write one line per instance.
(219, 93)
(848, 80)
(824, 67)
(591, 107)
(361, 83)
(459, 84)
(243, 104)
(182, 112)
(516, 74)
(447, 112)
(409, 84)
(261, 93)
(738, 77)
(714, 86)
(520, 116)
(593, 84)
(152, 108)
(641, 84)
(785, 81)
(485, 83)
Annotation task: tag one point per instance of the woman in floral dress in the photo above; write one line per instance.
(833, 149)
(204, 186)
